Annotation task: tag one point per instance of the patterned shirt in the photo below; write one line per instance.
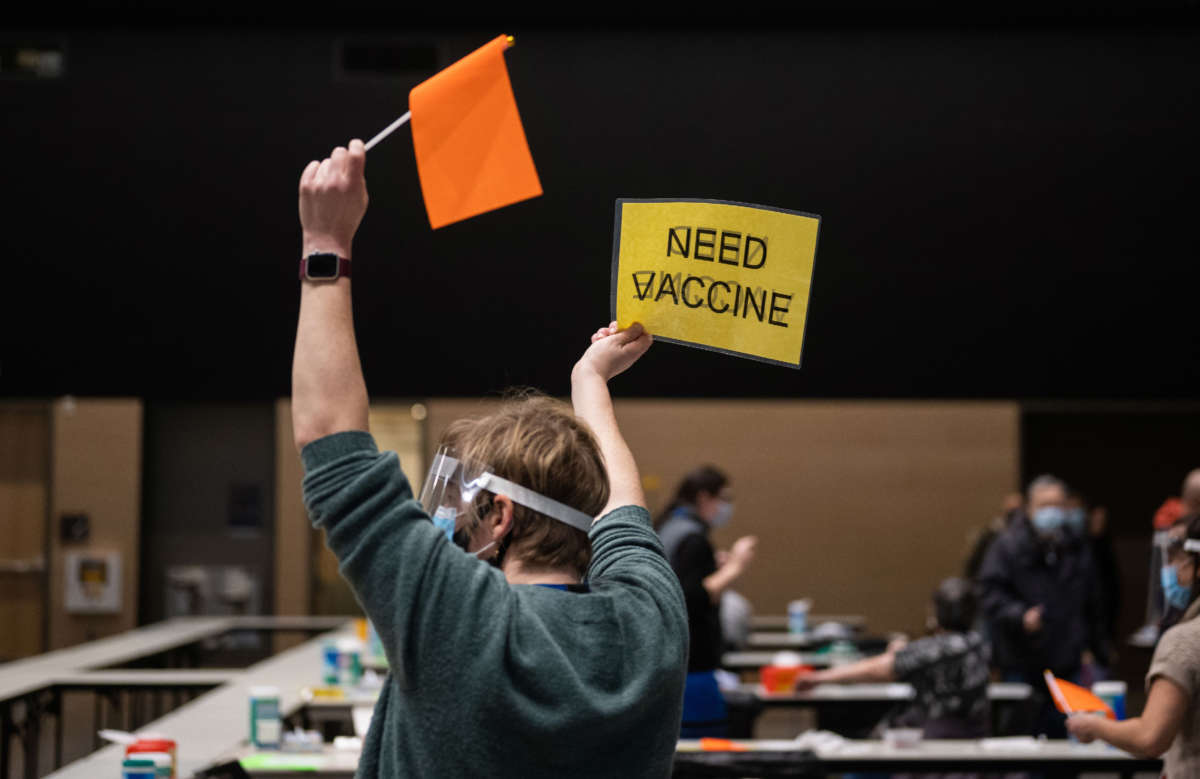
(949, 673)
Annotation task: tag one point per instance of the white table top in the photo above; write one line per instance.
(997, 749)
(780, 621)
(148, 677)
(213, 725)
(23, 676)
(773, 639)
(752, 660)
(895, 691)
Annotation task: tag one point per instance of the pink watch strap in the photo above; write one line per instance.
(343, 269)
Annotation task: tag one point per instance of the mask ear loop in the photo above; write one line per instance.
(503, 542)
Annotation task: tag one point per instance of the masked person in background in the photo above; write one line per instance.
(1041, 600)
(703, 501)
(1170, 720)
(534, 630)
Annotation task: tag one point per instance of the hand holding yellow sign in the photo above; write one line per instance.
(730, 277)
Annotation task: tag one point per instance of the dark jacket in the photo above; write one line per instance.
(1021, 571)
(691, 555)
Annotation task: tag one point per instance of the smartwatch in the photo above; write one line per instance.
(324, 266)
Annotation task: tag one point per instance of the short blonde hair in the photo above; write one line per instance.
(537, 442)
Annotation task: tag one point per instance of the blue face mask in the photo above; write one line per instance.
(1176, 594)
(1076, 520)
(444, 518)
(722, 515)
(1048, 519)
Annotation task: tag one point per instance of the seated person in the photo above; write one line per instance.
(948, 670)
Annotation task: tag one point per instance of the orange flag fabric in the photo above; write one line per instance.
(471, 151)
(1070, 698)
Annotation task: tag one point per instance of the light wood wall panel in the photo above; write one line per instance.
(24, 487)
(863, 505)
(96, 469)
(317, 586)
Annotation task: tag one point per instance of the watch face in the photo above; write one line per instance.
(322, 266)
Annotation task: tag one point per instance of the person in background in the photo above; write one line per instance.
(948, 670)
(1090, 527)
(1170, 721)
(1172, 543)
(1041, 599)
(1190, 495)
(703, 501)
(980, 540)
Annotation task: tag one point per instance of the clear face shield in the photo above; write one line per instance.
(457, 495)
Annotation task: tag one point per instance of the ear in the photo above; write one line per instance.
(498, 522)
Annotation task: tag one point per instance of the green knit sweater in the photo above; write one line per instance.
(494, 679)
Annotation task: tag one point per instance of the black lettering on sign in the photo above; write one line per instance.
(667, 280)
(643, 282)
(683, 292)
(673, 240)
(749, 256)
(775, 296)
(751, 301)
(726, 246)
(709, 244)
(724, 306)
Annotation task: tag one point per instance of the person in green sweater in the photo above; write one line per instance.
(522, 640)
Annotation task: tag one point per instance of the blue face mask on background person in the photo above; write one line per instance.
(1075, 520)
(1176, 594)
(722, 515)
(1048, 519)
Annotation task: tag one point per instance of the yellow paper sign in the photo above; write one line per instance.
(730, 277)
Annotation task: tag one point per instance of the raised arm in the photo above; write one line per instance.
(328, 391)
(612, 351)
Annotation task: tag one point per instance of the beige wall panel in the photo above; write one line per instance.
(96, 470)
(863, 505)
(397, 426)
(24, 476)
(292, 530)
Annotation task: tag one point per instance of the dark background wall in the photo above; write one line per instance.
(1008, 208)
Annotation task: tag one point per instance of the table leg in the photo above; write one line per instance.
(97, 719)
(57, 704)
(31, 736)
(6, 734)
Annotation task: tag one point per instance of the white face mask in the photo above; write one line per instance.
(722, 514)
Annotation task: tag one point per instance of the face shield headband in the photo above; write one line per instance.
(452, 487)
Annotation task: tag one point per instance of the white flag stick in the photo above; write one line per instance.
(391, 128)
(1056, 692)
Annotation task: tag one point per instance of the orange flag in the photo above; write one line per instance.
(1070, 698)
(471, 151)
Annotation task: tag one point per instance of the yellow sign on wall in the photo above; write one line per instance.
(730, 277)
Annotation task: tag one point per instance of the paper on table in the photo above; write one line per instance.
(284, 760)
(1010, 744)
(362, 719)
